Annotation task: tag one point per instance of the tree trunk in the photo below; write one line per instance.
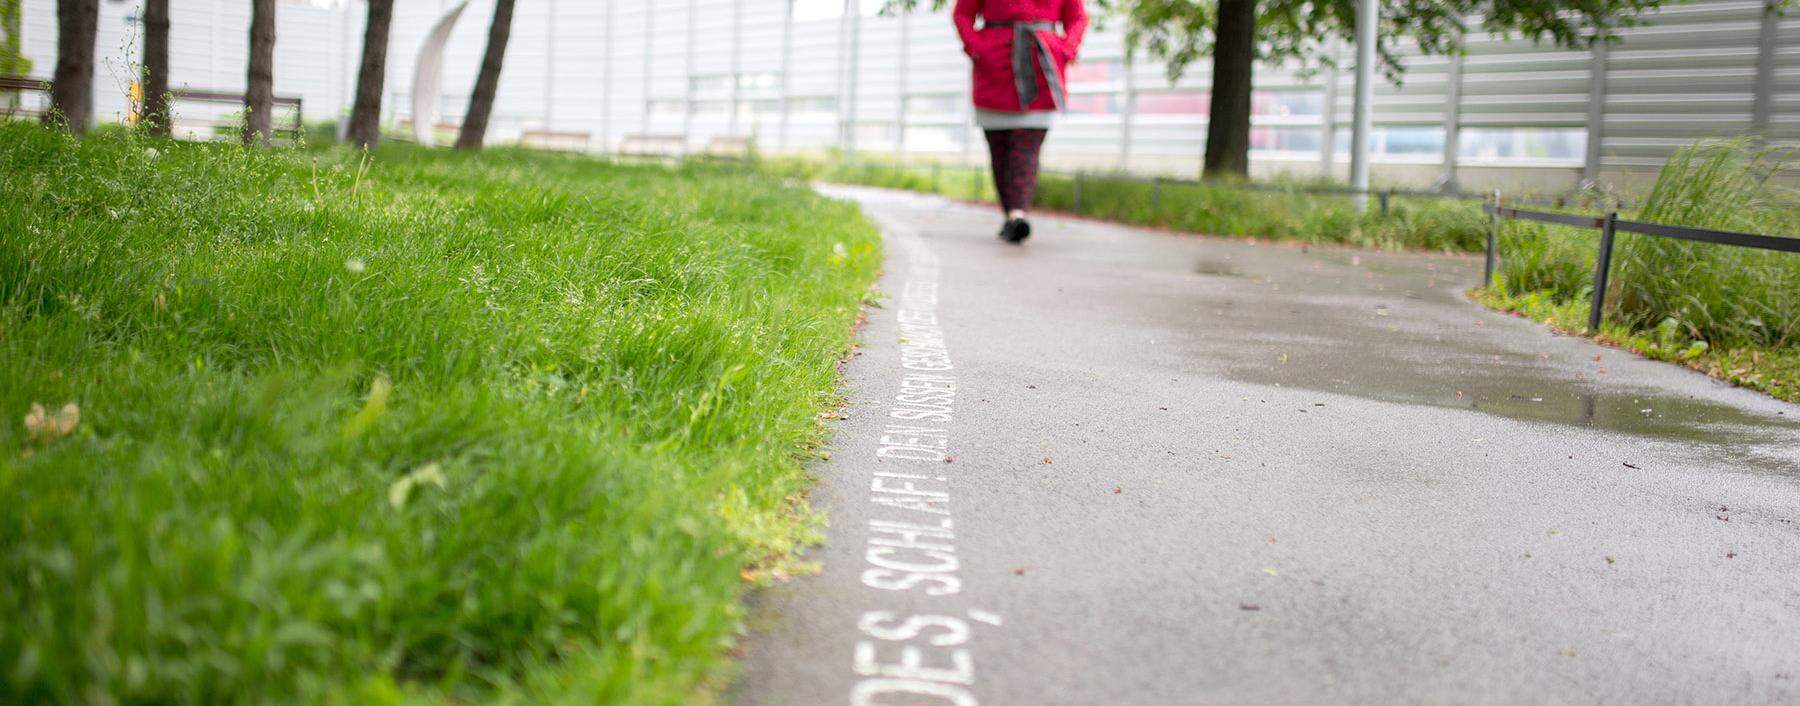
(259, 95)
(72, 86)
(157, 112)
(481, 104)
(365, 114)
(1228, 126)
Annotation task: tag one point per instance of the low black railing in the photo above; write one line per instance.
(1610, 225)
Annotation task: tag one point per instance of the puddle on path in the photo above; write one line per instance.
(1217, 268)
(1407, 339)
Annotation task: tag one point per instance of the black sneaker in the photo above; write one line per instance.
(1015, 230)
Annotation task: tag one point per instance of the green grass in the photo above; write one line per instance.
(1412, 223)
(507, 428)
(1729, 311)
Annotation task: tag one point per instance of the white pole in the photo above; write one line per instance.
(1368, 13)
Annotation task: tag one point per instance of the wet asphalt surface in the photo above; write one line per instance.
(1206, 471)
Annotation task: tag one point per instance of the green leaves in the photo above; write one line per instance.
(1180, 32)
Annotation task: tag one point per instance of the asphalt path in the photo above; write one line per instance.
(1122, 467)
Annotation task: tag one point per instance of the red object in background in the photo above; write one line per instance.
(991, 47)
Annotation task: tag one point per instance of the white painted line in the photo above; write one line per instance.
(911, 538)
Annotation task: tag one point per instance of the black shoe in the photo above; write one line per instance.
(1015, 230)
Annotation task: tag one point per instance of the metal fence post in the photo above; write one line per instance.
(1602, 268)
(1384, 197)
(1493, 242)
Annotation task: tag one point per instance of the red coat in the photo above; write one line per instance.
(991, 47)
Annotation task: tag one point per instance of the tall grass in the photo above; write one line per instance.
(427, 427)
(1730, 310)
(1716, 293)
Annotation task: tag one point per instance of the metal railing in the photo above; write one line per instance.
(1610, 225)
(1383, 197)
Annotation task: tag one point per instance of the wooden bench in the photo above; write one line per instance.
(734, 146)
(648, 145)
(556, 140)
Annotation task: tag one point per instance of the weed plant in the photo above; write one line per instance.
(422, 427)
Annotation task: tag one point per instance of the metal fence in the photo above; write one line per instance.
(1609, 225)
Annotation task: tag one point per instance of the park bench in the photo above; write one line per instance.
(650, 145)
(565, 140)
(12, 98)
(730, 146)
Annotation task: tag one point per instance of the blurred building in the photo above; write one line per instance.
(814, 75)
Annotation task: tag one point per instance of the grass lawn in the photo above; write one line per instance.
(428, 427)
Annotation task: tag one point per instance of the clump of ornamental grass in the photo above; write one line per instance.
(1716, 293)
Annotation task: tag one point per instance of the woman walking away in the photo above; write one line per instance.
(1018, 87)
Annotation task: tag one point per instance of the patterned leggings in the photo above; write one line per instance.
(1014, 156)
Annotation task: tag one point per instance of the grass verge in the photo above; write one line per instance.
(1412, 223)
(1730, 312)
(421, 428)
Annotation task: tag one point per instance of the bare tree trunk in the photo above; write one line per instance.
(72, 86)
(259, 95)
(157, 112)
(481, 104)
(365, 114)
(1234, 56)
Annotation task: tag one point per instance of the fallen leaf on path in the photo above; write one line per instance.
(1249, 607)
(1635, 468)
(1117, 490)
(1270, 570)
(1046, 461)
(1730, 554)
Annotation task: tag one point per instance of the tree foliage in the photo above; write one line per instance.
(12, 56)
(1297, 31)
(1180, 32)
